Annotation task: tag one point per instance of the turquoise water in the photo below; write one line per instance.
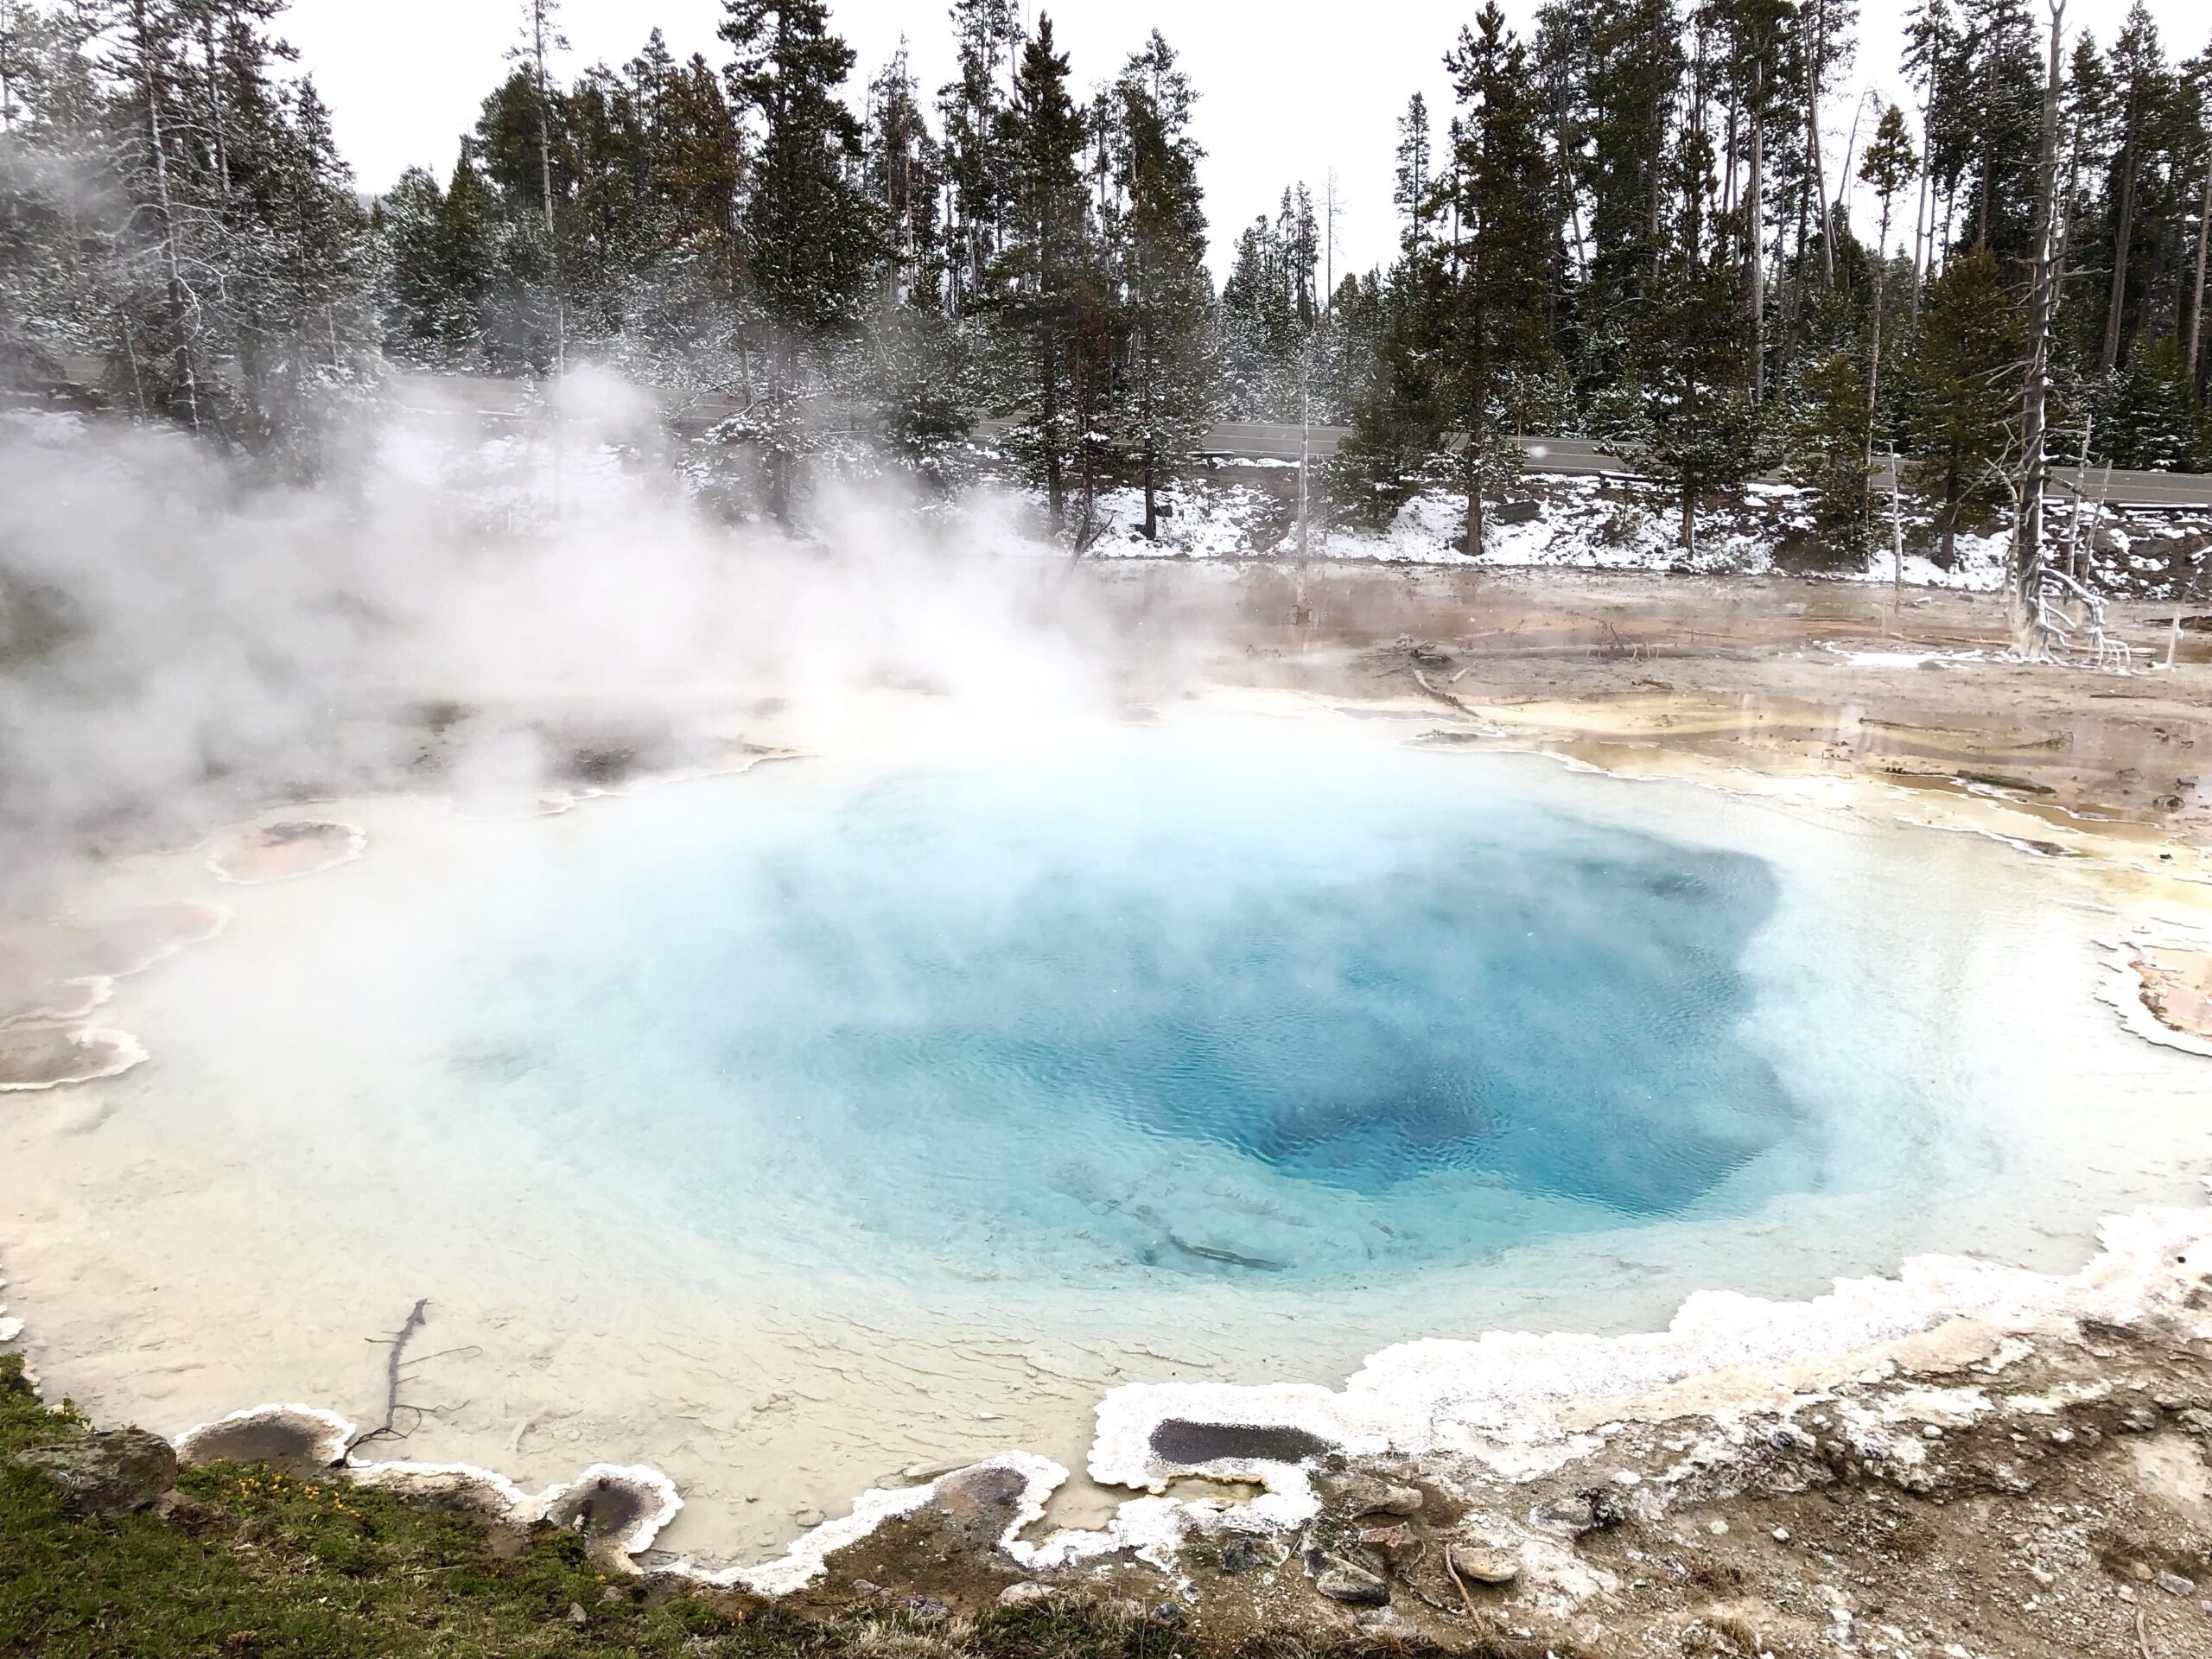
(1164, 1007)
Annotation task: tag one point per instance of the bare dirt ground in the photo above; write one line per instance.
(1767, 673)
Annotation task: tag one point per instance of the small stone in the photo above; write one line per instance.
(1931, 1433)
(2196, 1421)
(1717, 1528)
(2044, 1579)
(1486, 1563)
(1342, 1581)
(2174, 1585)
(1239, 1556)
(612, 1596)
(2138, 1420)
(2127, 1594)
(2142, 1572)
(108, 1473)
(1169, 1616)
(1782, 1535)
(576, 1614)
(866, 1587)
(1027, 1593)
(927, 1610)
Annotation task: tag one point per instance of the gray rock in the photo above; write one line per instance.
(1388, 1624)
(108, 1473)
(1168, 1616)
(1240, 1555)
(2138, 1420)
(1027, 1593)
(1364, 1495)
(1484, 1563)
(2174, 1585)
(1340, 1580)
(1588, 1511)
(927, 1610)
(576, 1614)
(1516, 512)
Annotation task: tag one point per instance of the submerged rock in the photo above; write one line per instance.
(108, 1473)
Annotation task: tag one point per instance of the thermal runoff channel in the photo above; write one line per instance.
(1163, 1006)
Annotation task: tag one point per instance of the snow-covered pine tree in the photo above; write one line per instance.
(1493, 330)
(1167, 394)
(1039, 282)
(1959, 391)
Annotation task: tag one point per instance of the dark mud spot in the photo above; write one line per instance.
(1178, 1440)
(295, 1442)
(604, 1509)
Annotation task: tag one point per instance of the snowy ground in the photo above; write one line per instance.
(515, 481)
(1592, 523)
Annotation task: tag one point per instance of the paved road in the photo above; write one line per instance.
(1260, 442)
(1583, 457)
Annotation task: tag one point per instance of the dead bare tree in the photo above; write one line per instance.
(395, 1364)
(2046, 276)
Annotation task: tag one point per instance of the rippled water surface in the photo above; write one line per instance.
(1167, 1005)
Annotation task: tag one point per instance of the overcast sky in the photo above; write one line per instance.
(1287, 91)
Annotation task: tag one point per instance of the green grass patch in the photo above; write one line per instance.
(248, 1563)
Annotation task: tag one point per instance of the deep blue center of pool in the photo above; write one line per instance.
(1270, 1015)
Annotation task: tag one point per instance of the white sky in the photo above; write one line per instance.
(1287, 91)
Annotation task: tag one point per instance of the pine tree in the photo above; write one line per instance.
(1161, 254)
(2144, 93)
(986, 35)
(1701, 424)
(811, 239)
(1410, 190)
(905, 171)
(1042, 278)
(1826, 425)
(1890, 165)
(1402, 407)
(1958, 382)
(1493, 327)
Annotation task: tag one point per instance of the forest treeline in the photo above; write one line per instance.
(1634, 222)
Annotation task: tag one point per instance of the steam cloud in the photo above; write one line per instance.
(182, 642)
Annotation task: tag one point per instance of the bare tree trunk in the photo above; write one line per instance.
(2197, 311)
(1874, 356)
(1755, 221)
(2026, 571)
(179, 297)
(1923, 227)
(540, 45)
(1819, 67)
(215, 103)
(2108, 358)
(8, 25)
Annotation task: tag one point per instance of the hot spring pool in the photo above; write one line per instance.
(1131, 1015)
(794, 1130)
